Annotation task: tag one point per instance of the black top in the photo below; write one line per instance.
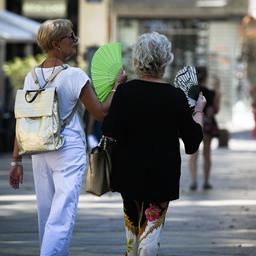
(210, 124)
(147, 119)
(209, 96)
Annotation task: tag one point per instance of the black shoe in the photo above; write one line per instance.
(193, 187)
(207, 186)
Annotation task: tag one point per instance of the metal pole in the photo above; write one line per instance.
(2, 76)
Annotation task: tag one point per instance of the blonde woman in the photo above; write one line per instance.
(58, 175)
(147, 117)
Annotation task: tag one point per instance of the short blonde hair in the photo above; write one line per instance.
(52, 30)
(151, 54)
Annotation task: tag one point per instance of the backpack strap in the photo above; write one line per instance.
(50, 78)
(55, 73)
(34, 76)
(68, 119)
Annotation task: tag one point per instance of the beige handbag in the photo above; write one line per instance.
(38, 125)
(98, 176)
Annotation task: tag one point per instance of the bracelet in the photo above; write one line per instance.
(197, 111)
(17, 158)
(16, 163)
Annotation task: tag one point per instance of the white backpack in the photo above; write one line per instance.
(38, 124)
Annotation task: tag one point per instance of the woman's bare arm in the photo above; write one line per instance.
(89, 99)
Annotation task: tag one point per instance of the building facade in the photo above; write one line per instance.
(203, 32)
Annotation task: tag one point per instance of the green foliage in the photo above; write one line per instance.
(18, 68)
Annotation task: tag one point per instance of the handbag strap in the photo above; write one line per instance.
(105, 141)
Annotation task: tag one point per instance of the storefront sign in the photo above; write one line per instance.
(44, 8)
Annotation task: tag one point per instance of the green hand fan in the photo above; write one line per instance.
(105, 66)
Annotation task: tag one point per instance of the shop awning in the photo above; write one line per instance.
(16, 28)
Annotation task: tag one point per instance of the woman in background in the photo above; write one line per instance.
(210, 129)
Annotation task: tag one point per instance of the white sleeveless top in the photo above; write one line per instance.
(69, 83)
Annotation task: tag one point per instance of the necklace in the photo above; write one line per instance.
(52, 69)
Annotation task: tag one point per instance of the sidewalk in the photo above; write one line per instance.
(218, 222)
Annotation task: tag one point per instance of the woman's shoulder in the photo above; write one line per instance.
(75, 74)
(74, 70)
(177, 92)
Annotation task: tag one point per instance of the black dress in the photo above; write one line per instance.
(147, 119)
(210, 124)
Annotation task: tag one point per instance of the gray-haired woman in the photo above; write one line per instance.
(58, 175)
(147, 116)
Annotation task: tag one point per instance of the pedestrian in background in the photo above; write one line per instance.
(146, 118)
(210, 128)
(58, 175)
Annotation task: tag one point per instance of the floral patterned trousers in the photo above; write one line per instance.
(143, 225)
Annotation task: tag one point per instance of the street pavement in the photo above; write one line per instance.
(219, 222)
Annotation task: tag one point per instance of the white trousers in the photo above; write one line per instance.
(58, 177)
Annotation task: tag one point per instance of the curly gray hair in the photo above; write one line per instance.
(151, 54)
